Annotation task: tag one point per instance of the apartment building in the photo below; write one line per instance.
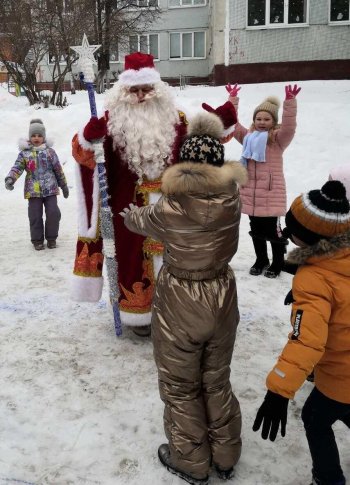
(278, 40)
(245, 40)
(180, 42)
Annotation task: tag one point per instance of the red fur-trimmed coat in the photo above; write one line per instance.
(136, 255)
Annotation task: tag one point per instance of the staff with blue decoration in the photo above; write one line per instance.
(86, 61)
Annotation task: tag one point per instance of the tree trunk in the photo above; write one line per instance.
(72, 86)
(100, 81)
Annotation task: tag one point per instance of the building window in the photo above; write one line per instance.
(114, 53)
(186, 45)
(187, 3)
(147, 43)
(277, 13)
(147, 3)
(52, 58)
(339, 11)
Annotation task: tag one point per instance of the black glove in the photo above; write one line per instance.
(271, 414)
(346, 420)
(65, 191)
(290, 268)
(289, 298)
(9, 182)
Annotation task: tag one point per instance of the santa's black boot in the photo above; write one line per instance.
(164, 457)
(262, 260)
(142, 331)
(275, 268)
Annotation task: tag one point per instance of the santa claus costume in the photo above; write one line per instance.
(141, 139)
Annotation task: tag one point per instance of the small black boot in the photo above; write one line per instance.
(51, 243)
(225, 474)
(38, 245)
(278, 250)
(164, 457)
(262, 260)
(315, 481)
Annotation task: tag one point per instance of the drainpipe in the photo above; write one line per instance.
(227, 33)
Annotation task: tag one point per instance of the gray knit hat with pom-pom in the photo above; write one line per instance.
(271, 105)
(36, 127)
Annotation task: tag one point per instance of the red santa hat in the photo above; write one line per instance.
(138, 69)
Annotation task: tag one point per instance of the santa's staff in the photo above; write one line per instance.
(86, 61)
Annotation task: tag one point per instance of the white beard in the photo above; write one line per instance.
(143, 132)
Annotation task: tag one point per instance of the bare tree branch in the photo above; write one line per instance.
(33, 30)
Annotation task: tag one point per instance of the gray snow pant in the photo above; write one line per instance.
(35, 214)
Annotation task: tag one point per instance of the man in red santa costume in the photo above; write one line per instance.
(143, 132)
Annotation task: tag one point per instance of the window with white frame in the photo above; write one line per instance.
(147, 3)
(186, 3)
(186, 45)
(114, 53)
(339, 11)
(147, 43)
(277, 13)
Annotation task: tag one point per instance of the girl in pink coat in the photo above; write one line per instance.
(264, 197)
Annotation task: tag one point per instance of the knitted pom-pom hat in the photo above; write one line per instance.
(203, 143)
(319, 214)
(271, 105)
(36, 127)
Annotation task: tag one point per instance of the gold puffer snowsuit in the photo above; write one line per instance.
(195, 313)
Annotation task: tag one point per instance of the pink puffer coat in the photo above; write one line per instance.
(265, 193)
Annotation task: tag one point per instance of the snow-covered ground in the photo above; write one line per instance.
(78, 405)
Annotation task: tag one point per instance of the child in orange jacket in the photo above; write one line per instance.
(319, 223)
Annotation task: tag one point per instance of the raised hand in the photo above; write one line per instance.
(95, 129)
(291, 92)
(225, 112)
(127, 209)
(232, 89)
(271, 414)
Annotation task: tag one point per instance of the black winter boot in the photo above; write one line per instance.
(164, 457)
(142, 331)
(38, 245)
(225, 474)
(262, 260)
(51, 244)
(315, 481)
(278, 250)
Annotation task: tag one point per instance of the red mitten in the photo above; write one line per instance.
(95, 129)
(232, 89)
(226, 113)
(291, 93)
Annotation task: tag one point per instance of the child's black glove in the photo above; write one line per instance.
(289, 298)
(65, 191)
(290, 268)
(271, 414)
(9, 182)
